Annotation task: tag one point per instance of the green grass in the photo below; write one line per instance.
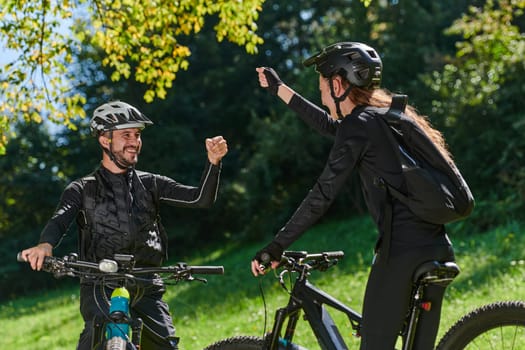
(492, 269)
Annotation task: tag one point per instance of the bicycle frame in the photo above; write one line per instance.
(305, 297)
(311, 300)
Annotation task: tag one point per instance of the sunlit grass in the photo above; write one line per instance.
(492, 266)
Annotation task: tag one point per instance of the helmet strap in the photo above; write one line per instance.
(338, 99)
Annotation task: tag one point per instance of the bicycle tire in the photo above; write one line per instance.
(238, 343)
(500, 325)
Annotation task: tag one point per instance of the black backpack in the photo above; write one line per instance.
(436, 191)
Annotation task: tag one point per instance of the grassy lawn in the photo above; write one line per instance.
(491, 262)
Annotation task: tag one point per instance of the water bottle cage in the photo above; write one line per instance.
(118, 317)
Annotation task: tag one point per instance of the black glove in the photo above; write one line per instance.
(272, 252)
(273, 80)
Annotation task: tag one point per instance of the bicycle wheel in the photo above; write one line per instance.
(499, 325)
(238, 343)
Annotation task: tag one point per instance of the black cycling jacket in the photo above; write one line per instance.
(359, 143)
(126, 224)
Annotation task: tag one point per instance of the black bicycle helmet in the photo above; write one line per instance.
(358, 63)
(117, 115)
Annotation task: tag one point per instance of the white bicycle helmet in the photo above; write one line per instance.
(117, 115)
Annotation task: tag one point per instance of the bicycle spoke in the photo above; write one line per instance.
(509, 337)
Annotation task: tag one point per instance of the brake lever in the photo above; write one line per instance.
(326, 264)
(199, 279)
(187, 277)
(56, 267)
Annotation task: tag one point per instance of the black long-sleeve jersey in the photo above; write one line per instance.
(359, 143)
(168, 191)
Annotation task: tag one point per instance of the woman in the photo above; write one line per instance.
(350, 75)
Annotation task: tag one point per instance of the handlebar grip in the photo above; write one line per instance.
(207, 270)
(266, 261)
(330, 255)
(20, 258)
(336, 254)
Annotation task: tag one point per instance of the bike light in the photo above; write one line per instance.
(108, 266)
(426, 305)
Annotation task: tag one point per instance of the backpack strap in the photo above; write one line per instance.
(397, 106)
(392, 116)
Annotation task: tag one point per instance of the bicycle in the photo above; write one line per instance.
(499, 325)
(117, 330)
(312, 301)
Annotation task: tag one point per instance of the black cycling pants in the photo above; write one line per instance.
(387, 298)
(158, 332)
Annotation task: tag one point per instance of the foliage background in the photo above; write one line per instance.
(460, 62)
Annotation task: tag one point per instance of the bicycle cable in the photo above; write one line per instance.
(261, 290)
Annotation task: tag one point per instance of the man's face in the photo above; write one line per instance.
(126, 145)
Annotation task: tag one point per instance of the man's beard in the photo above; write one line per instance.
(127, 159)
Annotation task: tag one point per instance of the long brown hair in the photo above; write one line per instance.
(383, 98)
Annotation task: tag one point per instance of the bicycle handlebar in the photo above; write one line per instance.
(180, 268)
(122, 266)
(300, 260)
(316, 256)
(303, 255)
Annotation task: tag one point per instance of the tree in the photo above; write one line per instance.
(145, 35)
(30, 183)
(140, 39)
(479, 95)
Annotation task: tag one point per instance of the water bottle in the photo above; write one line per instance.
(117, 332)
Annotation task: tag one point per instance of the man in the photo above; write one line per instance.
(117, 210)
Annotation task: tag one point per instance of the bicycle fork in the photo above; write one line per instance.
(292, 312)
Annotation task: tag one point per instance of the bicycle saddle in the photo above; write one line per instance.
(436, 272)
